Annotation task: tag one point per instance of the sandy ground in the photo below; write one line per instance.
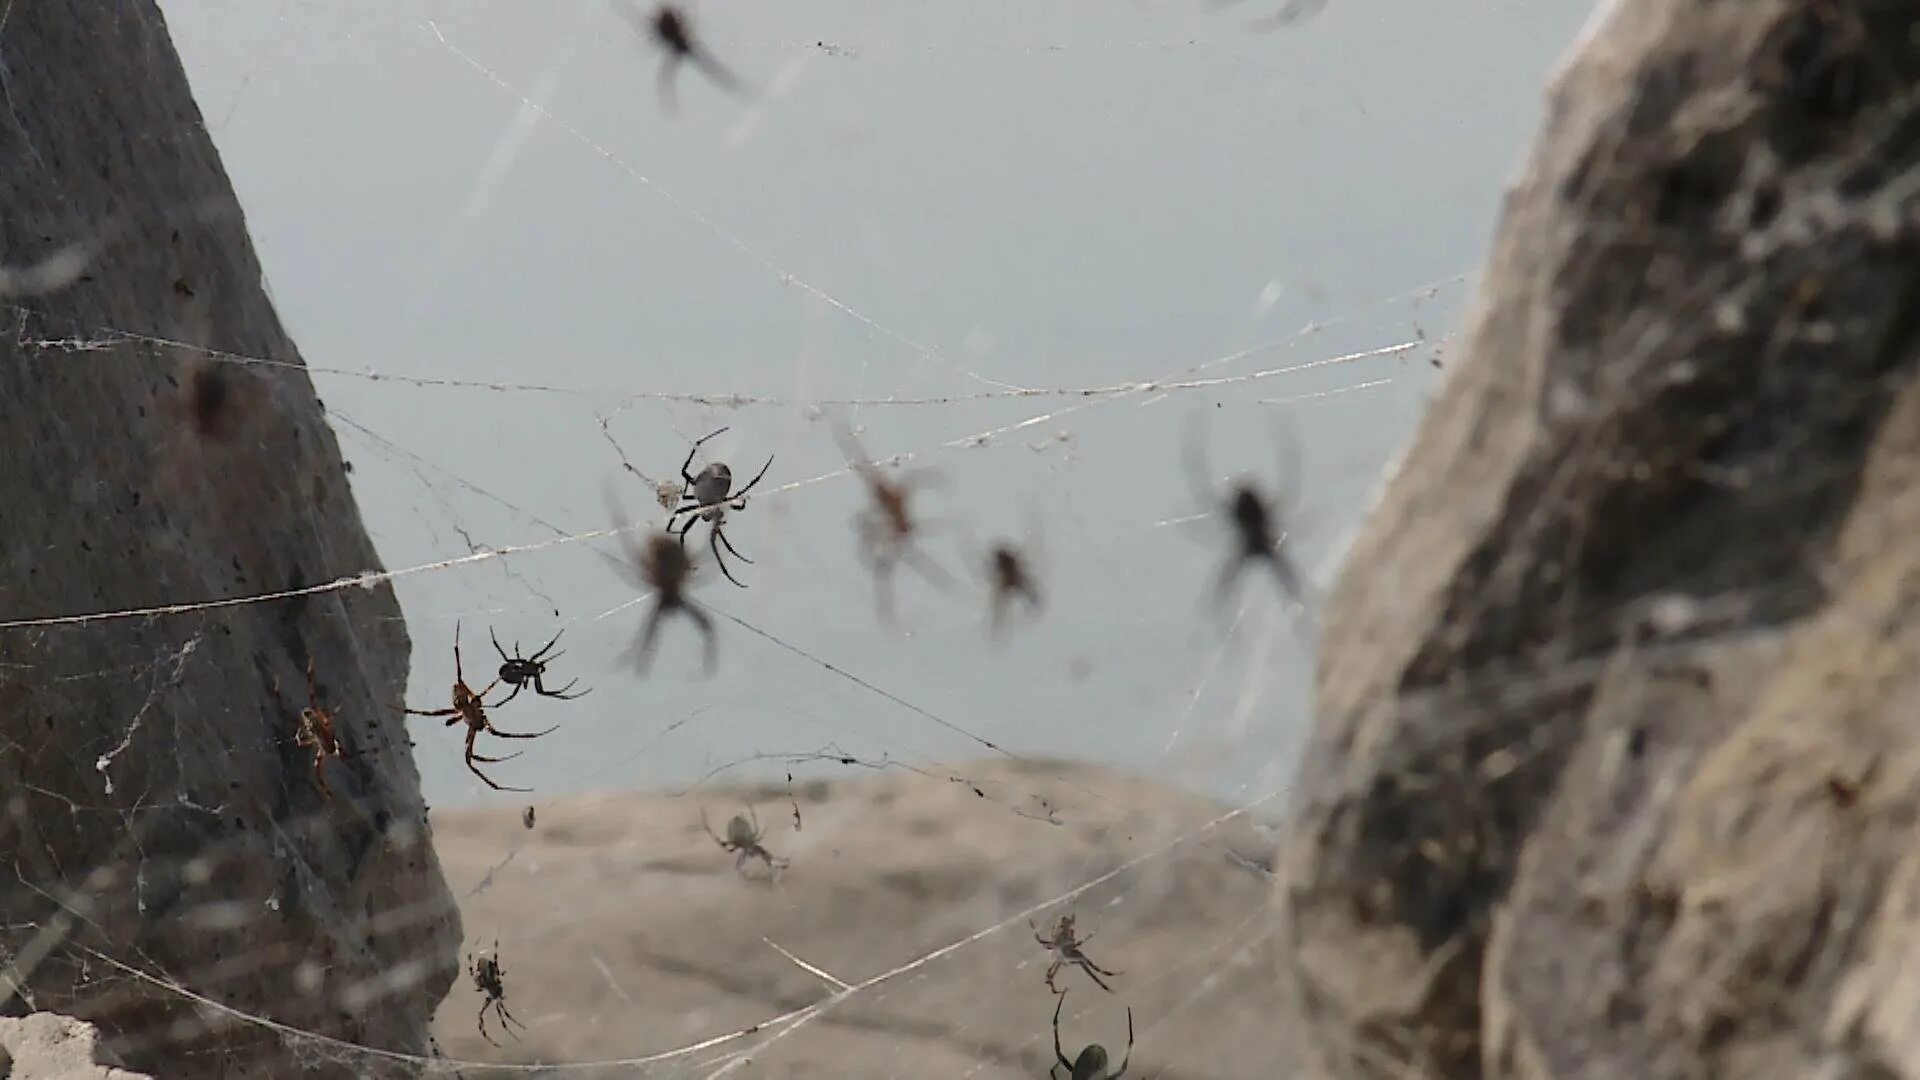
(625, 931)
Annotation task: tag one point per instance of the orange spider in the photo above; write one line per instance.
(471, 707)
(317, 733)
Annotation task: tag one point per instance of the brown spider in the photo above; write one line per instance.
(519, 671)
(1259, 532)
(673, 32)
(1092, 1062)
(743, 836)
(1011, 580)
(662, 565)
(471, 707)
(1068, 951)
(708, 497)
(491, 979)
(317, 733)
(887, 529)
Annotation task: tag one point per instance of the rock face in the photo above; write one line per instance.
(48, 1046)
(1618, 760)
(155, 810)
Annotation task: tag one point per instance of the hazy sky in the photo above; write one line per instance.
(915, 201)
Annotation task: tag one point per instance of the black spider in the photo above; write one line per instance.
(670, 28)
(1258, 524)
(708, 496)
(518, 671)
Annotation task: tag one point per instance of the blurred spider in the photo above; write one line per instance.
(743, 836)
(1092, 1062)
(887, 529)
(673, 32)
(472, 708)
(1011, 580)
(490, 979)
(317, 733)
(1291, 12)
(1068, 952)
(708, 497)
(1259, 530)
(518, 671)
(662, 565)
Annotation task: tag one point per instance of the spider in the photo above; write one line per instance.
(743, 836)
(672, 30)
(708, 497)
(472, 708)
(490, 979)
(517, 671)
(1011, 580)
(1092, 1062)
(317, 733)
(886, 527)
(1068, 949)
(1258, 528)
(662, 565)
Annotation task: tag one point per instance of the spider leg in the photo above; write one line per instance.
(472, 734)
(721, 76)
(541, 689)
(668, 65)
(928, 569)
(320, 774)
(756, 479)
(430, 712)
(535, 658)
(713, 542)
(508, 1021)
(504, 658)
(1053, 969)
(649, 637)
(491, 730)
(710, 641)
(716, 836)
(483, 1013)
(1083, 964)
(509, 697)
(1057, 1051)
(497, 760)
(1229, 575)
(729, 544)
(1122, 1070)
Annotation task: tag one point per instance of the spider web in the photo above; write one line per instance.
(558, 289)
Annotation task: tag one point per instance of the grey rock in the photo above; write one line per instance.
(48, 1046)
(155, 811)
(1615, 768)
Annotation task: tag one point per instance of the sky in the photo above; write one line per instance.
(952, 213)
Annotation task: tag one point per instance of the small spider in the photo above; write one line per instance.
(887, 529)
(1068, 951)
(1011, 580)
(743, 837)
(517, 671)
(1092, 1062)
(1259, 533)
(661, 565)
(317, 733)
(708, 497)
(471, 707)
(672, 31)
(490, 979)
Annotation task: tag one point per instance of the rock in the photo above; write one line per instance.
(154, 808)
(48, 1046)
(1615, 766)
(624, 931)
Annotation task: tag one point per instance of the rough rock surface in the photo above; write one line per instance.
(48, 1046)
(1617, 767)
(154, 808)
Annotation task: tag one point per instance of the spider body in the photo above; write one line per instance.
(664, 567)
(317, 733)
(887, 527)
(490, 979)
(520, 671)
(708, 496)
(470, 707)
(743, 838)
(1091, 1064)
(1067, 951)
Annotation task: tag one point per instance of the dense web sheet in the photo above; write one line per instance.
(581, 284)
